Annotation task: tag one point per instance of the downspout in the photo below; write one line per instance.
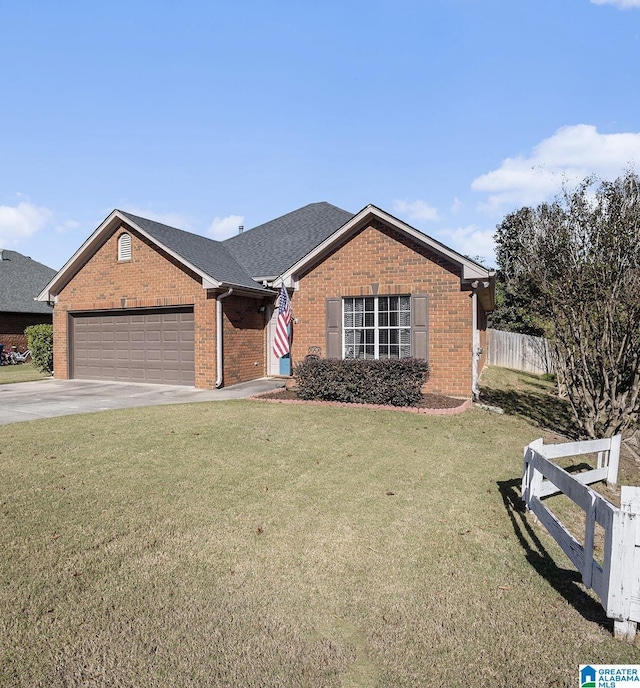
(219, 335)
(475, 348)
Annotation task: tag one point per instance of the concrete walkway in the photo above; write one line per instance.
(49, 398)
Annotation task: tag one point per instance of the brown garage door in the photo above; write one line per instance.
(134, 346)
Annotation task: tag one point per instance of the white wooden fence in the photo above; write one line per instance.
(519, 351)
(617, 581)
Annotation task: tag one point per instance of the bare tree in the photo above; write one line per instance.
(582, 256)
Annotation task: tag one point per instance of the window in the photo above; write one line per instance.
(377, 327)
(124, 247)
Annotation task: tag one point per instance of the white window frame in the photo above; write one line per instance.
(404, 349)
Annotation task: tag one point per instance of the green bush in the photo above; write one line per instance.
(40, 342)
(393, 382)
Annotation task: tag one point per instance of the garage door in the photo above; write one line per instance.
(134, 346)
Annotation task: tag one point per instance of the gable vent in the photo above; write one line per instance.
(124, 247)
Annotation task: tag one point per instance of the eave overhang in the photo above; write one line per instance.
(470, 271)
(115, 220)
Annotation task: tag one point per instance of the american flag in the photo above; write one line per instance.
(281, 341)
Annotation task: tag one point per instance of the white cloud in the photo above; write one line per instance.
(416, 210)
(622, 4)
(21, 221)
(68, 226)
(456, 206)
(225, 227)
(568, 156)
(471, 241)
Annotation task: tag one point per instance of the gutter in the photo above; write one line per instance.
(219, 335)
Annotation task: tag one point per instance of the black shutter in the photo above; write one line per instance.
(420, 326)
(334, 328)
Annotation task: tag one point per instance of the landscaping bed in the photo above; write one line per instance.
(427, 401)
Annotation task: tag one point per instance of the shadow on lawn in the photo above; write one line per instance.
(566, 581)
(535, 402)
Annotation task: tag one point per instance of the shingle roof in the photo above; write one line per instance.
(210, 256)
(269, 249)
(21, 280)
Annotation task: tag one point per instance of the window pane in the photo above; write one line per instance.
(377, 327)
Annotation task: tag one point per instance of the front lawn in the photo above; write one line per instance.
(23, 372)
(250, 544)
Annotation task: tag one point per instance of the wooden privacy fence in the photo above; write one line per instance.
(617, 580)
(519, 351)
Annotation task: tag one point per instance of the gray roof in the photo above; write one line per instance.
(21, 280)
(210, 256)
(273, 247)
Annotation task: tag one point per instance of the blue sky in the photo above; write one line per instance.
(206, 115)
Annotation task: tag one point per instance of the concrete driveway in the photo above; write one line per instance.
(49, 398)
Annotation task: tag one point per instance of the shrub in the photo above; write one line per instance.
(393, 382)
(40, 342)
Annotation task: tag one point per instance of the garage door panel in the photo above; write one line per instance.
(145, 346)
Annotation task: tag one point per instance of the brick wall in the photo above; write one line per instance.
(379, 261)
(13, 325)
(150, 279)
(244, 340)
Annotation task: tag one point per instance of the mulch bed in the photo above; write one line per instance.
(428, 401)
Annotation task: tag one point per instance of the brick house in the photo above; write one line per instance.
(145, 302)
(21, 280)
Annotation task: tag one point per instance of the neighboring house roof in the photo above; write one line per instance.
(267, 250)
(212, 257)
(21, 280)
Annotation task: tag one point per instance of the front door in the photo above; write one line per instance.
(276, 366)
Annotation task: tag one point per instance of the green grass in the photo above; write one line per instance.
(23, 372)
(251, 544)
(529, 396)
